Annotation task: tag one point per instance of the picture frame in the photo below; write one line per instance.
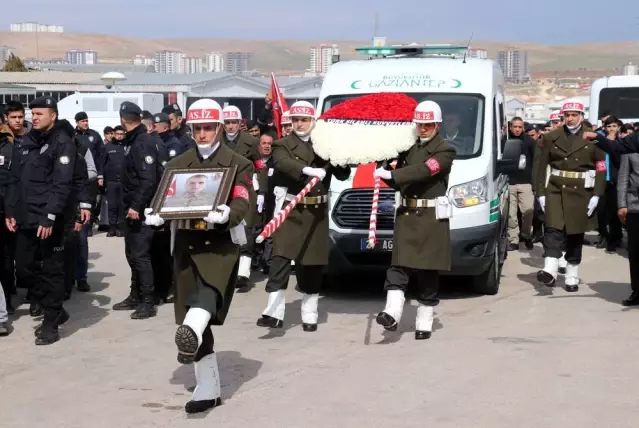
(191, 193)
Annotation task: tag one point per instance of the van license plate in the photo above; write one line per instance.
(380, 245)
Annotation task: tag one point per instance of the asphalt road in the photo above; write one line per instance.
(528, 357)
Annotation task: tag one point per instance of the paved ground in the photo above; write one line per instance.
(525, 358)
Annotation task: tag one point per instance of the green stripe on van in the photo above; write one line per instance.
(493, 217)
(494, 203)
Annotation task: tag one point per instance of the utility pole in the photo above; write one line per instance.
(376, 27)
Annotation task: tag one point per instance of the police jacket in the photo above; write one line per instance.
(173, 146)
(183, 133)
(6, 150)
(92, 141)
(113, 161)
(42, 180)
(82, 196)
(141, 169)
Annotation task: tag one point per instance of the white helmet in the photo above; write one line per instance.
(302, 109)
(427, 112)
(204, 111)
(286, 118)
(555, 115)
(573, 106)
(232, 113)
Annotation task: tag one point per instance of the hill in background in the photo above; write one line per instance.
(272, 55)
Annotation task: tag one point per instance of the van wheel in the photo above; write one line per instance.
(488, 282)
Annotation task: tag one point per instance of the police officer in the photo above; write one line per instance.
(92, 141)
(422, 231)
(147, 120)
(303, 236)
(172, 145)
(178, 126)
(206, 256)
(245, 145)
(571, 177)
(113, 170)
(138, 187)
(7, 241)
(38, 208)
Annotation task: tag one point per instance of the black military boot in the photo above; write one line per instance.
(242, 284)
(35, 309)
(83, 286)
(146, 309)
(128, 304)
(112, 231)
(62, 317)
(49, 331)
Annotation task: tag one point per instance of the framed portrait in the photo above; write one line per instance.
(191, 193)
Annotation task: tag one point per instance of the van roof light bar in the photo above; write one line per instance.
(417, 50)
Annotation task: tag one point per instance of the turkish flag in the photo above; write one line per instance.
(172, 189)
(279, 105)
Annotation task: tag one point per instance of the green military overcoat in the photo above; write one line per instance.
(422, 241)
(211, 254)
(303, 236)
(245, 145)
(566, 198)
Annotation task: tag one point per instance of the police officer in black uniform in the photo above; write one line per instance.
(113, 169)
(178, 126)
(42, 182)
(138, 187)
(7, 277)
(172, 145)
(92, 141)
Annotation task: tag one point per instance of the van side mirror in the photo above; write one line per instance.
(511, 157)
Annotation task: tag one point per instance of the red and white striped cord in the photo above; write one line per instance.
(372, 228)
(277, 220)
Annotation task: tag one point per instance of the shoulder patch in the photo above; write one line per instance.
(148, 159)
(64, 160)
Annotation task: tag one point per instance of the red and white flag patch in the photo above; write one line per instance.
(600, 166)
(433, 166)
(259, 164)
(240, 192)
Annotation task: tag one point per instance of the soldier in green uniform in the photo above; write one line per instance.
(206, 254)
(570, 177)
(303, 236)
(422, 232)
(244, 145)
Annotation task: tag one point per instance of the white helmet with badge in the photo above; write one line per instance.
(427, 112)
(204, 111)
(232, 113)
(302, 109)
(286, 118)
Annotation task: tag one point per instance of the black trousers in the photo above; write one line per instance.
(632, 227)
(608, 221)
(398, 278)
(538, 220)
(97, 194)
(262, 253)
(556, 241)
(206, 348)
(40, 264)
(162, 262)
(138, 238)
(309, 278)
(114, 201)
(7, 259)
(71, 251)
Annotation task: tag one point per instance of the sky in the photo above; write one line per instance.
(537, 21)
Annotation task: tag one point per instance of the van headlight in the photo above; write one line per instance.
(469, 194)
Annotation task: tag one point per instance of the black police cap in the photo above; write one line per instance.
(81, 116)
(172, 108)
(130, 108)
(44, 102)
(147, 114)
(161, 118)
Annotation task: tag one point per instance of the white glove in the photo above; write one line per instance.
(260, 203)
(217, 217)
(592, 205)
(256, 184)
(542, 203)
(314, 172)
(382, 173)
(153, 220)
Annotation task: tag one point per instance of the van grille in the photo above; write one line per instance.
(353, 209)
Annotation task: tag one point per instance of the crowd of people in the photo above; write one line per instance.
(54, 177)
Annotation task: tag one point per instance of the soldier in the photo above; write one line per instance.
(244, 145)
(287, 126)
(422, 231)
(138, 186)
(206, 256)
(303, 236)
(38, 209)
(570, 178)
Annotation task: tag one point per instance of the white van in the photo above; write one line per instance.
(616, 95)
(471, 94)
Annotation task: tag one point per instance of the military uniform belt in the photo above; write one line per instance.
(309, 200)
(418, 203)
(567, 174)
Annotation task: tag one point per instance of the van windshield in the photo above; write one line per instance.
(462, 117)
(622, 103)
